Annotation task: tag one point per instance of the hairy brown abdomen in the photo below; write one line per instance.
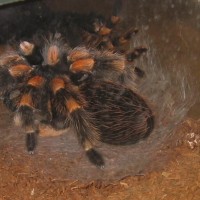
(122, 116)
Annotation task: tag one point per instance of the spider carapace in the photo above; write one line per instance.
(73, 76)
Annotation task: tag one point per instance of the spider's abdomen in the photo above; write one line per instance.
(121, 115)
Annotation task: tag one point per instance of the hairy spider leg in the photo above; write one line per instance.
(103, 65)
(67, 105)
(13, 68)
(32, 99)
(31, 52)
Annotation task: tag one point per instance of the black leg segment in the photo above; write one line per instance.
(95, 158)
(31, 142)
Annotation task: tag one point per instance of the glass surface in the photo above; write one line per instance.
(3, 2)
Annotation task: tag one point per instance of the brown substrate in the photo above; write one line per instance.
(179, 179)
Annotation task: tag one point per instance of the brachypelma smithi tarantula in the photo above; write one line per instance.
(73, 76)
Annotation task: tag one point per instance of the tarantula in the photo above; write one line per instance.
(74, 77)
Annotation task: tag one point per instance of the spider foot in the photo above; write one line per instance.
(31, 142)
(95, 158)
(136, 53)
